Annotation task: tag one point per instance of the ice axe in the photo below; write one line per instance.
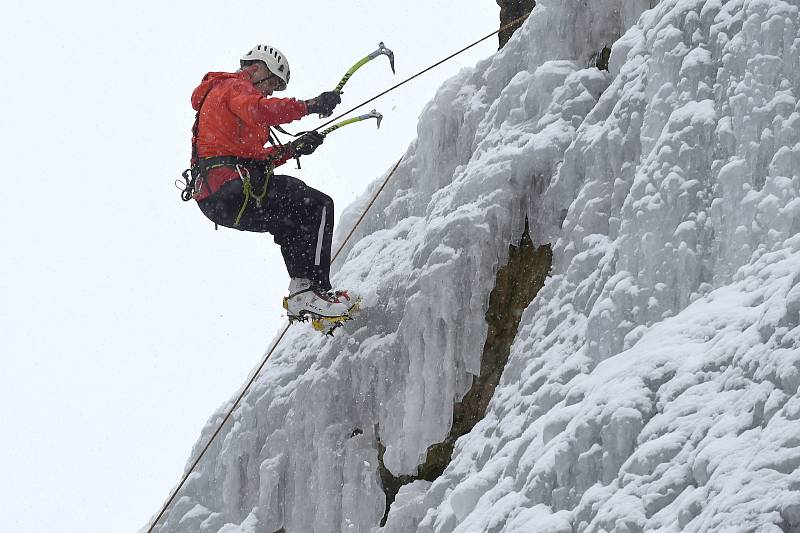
(381, 51)
(372, 114)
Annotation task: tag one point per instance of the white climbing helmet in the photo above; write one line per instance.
(274, 60)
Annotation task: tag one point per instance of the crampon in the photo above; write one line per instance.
(324, 324)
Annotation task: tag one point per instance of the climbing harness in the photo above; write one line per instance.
(258, 370)
(195, 177)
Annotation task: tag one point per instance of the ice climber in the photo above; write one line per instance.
(236, 188)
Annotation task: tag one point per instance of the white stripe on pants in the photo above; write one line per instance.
(320, 236)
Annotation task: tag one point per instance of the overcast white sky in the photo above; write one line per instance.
(125, 319)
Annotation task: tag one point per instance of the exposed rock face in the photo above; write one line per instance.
(517, 284)
(510, 10)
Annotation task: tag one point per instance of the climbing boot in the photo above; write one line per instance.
(326, 310)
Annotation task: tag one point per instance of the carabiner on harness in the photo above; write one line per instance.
(247, 187)
(187, 188)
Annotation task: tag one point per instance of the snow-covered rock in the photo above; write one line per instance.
(653, 383)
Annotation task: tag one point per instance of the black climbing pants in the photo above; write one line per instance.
(299, 218)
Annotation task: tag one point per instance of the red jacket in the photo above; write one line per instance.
(235, 120)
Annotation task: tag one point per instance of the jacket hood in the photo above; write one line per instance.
(209, 80)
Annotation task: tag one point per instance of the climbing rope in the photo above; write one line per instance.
(421, 72)
(366, 210)
(264, 361)
(338, 251)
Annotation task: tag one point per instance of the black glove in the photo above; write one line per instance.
(307, 143)
(324, 103)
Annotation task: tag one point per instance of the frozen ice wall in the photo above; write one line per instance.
(653, 382)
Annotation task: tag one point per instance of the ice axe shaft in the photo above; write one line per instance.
(381, 51)
(372, 114)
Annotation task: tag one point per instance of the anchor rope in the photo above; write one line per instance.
(423, 71)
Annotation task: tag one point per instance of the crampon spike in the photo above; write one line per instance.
(325, 325)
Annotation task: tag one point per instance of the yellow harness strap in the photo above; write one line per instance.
(248, 189)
